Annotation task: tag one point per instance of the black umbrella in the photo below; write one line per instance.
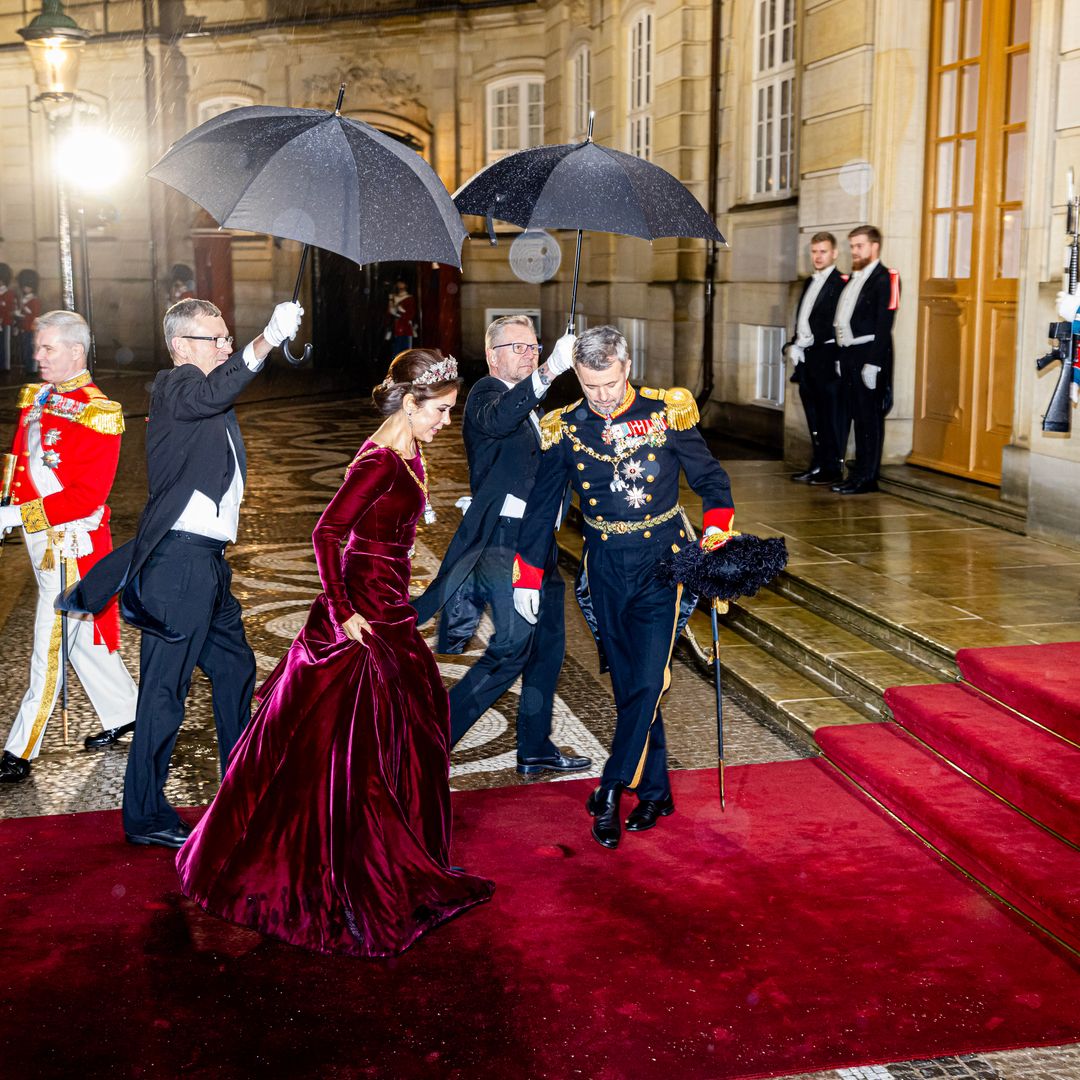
(316, 177)
(585, 186)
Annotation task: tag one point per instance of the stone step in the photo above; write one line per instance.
(786, 697)
(829, 655)
(975, 501)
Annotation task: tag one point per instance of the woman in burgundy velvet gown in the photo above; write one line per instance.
(331, 829)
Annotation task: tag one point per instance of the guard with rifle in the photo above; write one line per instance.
(1066, 334)
(65, 451)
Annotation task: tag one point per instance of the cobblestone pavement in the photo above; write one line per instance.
(297, 455)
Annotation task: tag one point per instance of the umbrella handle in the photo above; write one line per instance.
(296, 361)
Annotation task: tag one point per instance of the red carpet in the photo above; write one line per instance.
(801, 930)
(1038, 680)
(1035, 771)
(1021, 862)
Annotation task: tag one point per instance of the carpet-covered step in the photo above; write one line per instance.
(1040, 681)
(787, 698)
(829, 655)
(1026, 866)
(1032, 769)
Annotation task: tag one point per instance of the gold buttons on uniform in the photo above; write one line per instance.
(599, 517)
(650, 478)
(581, 466)
(603, 536)
(21, 468)
(682, 534)
(646, 534)
(648, 498)
(585, 484)
(648, 517)
(573, 427)
(592, 502)
(652, 457)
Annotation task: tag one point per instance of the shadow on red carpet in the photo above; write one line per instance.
(800, 930)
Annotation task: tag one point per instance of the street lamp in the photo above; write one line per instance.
(54, 41)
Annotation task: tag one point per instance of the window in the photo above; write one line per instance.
(770, 365)
(217, 105)
(515, 116)
(634, 332)
(774, 98)
(580, 92)
(640, 88)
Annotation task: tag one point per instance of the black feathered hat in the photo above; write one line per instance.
(742, 566)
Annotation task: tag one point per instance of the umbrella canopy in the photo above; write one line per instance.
(585, 186)
(319, 178)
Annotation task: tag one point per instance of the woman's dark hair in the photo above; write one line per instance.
(405, 369)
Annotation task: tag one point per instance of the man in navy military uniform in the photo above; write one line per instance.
(502, 441)
(623, 450)
(864, 321)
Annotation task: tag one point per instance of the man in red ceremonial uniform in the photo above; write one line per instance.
(67, 446)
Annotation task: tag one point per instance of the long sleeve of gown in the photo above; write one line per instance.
(366, 481)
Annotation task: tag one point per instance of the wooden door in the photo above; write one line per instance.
(972, 224)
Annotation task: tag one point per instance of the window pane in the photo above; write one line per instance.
(950, 30)
(943, 187)
(1018, 87)
(965, 172)
(1009, 244)
(969, 97)
(947, 103)
(972, 28)
(1021, 22)
(942, 240)
(1015, 148)
(962, 249)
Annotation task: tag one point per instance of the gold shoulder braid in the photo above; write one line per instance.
(28, 393)
(552, 425)
(103, 416)
(680, 408)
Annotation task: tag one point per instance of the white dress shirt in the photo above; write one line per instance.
(804, 336)
(846, 305)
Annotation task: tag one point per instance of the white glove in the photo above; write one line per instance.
(283, 323)
(562, 356)
(795, 353)
(527, 604)
(463, 504)
(10, 518)
(1067, 304)
(869, 376)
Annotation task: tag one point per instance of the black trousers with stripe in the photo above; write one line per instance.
(636, 618)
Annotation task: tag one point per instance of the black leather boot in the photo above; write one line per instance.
(603, 804)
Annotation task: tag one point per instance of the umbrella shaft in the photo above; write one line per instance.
(573, 294)
(300, 273)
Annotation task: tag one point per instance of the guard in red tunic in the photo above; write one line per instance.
(27, 316)
(9, 307)
(67, 445)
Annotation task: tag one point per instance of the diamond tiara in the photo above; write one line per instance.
(444, 371)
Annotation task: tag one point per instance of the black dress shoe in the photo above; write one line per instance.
(604, 806)
(644, 815)
(862, 487)
(107, 737)
(555, 762)
(823, 479)
(839, 486)
(170, 838)
(13, 769)
(806, 476)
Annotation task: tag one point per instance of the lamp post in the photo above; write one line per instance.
(54, 41)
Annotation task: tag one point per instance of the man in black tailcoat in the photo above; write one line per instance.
(502, 442)
(813, 351)
(623, 450)
(173, 580)
(864, 320)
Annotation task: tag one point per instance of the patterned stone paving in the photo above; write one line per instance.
(297, 456)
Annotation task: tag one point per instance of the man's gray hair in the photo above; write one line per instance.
(600, 347)
(71, 326)
(494, 331)
(180, 317)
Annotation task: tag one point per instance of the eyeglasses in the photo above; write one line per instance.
(520, 347)
(219, 342)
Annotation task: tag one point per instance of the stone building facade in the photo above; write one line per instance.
(950, 124)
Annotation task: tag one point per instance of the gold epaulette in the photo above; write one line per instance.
(28, 393)
(552, 425)
(680, 408)
(105, 417)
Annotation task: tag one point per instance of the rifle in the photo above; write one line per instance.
(1066, 346)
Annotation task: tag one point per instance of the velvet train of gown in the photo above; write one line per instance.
(331, 829)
